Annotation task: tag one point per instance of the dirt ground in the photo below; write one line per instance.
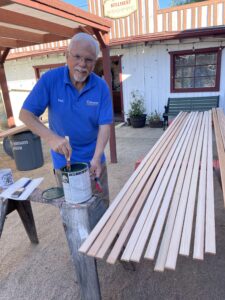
(45, 271)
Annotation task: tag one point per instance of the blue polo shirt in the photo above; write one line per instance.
(72, 113)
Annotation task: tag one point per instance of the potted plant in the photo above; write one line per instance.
(137, 110)
(155, 120)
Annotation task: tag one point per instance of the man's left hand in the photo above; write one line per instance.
(96, 168)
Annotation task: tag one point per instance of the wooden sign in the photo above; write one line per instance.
(116, 9)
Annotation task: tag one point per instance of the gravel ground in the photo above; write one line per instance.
(45, 271)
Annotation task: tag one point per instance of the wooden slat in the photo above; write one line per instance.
(221, 119)
(170, 174)
(15, 130)
(162, 255)
(154, 240)
(220, 150)
(136, 210)
(200, 217)
(210, 234)
(109, 232)
(209, 15)
(176, 235)
(95, 232)
(187, 227)
(140, 223)
(193, 17)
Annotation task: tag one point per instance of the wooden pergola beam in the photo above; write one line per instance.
(10, 43)
(69, 12)
(4, 2)
(35, 23)
(28, 36)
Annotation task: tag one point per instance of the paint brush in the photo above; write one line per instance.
(20, 191)
(68, 163)
(98, 185)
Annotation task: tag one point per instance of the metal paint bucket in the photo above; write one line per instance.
(6, 178)
(77, 183)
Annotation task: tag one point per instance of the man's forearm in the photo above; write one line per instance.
(103, 137)
(57, 143)
(34, 124)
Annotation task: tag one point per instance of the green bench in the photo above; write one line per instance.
(176, 105)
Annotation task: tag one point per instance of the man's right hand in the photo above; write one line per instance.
(59, 144)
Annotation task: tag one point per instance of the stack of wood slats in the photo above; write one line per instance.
(219, 128)
(153, 215)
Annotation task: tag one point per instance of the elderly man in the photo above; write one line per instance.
(79, 106)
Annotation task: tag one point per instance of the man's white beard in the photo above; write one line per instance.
(79, 78)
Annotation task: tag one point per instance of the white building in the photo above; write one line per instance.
(175, 52)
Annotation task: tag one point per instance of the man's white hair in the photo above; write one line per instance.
(81, 36)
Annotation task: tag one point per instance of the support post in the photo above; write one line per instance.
(78, 220)
(5, 91)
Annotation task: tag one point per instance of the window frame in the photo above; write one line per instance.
(173, 54)
(37, 69)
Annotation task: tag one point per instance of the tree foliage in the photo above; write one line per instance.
(181, 2)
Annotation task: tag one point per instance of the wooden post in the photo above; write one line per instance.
(5, 91)
(78, 221)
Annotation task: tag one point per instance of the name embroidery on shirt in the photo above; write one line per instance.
(91, 103)
(60, 100)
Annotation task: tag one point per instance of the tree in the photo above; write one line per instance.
(181, 2)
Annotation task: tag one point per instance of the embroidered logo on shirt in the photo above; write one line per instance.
(91, 103)
(60, 100)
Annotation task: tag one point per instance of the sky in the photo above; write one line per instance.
(83, 3)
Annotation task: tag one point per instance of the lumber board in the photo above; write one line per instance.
(95, 232)
(15, 130)
(154, 240)
(188, 220)
(138, 206)
(164, 246)
(109, 232)
(177, 229)
(142, 218)
(220, 150)
(159, 200)
(170, 174)
(210, 232)
(200, 214)
(221, 121)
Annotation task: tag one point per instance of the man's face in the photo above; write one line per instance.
(81, 60)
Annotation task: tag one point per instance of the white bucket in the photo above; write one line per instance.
(77, 183)
(6, 178)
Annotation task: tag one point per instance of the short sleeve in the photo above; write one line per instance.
(38, 99)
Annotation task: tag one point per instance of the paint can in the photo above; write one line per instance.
(77, 183)
(6, 178)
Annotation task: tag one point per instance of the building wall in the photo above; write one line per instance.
(147, 68)
(20, 77)
(150, 19)
(144, 67)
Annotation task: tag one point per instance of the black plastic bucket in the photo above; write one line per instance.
(27, 151)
